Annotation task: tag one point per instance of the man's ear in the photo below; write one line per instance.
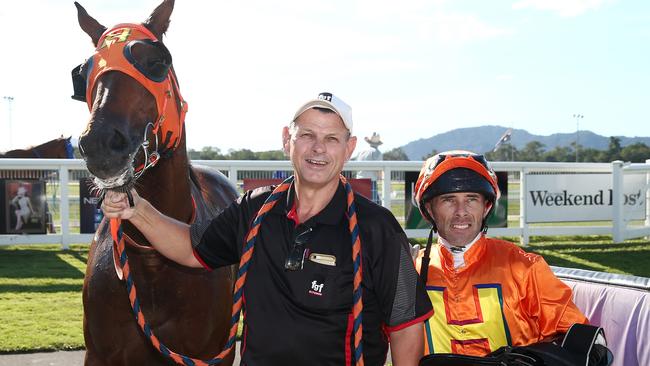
(488, 207)
(286, 138)
(352, 144)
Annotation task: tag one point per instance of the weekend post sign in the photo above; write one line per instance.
(582, 197)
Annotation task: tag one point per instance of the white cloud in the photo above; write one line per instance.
(564, 8)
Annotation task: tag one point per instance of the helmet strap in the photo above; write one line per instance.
(424, 264)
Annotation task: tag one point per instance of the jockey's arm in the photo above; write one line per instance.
(170, 237)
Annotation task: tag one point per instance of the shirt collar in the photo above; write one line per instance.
(330, 215)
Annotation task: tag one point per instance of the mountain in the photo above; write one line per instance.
(482, 139)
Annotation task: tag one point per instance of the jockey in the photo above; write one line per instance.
(486, 293)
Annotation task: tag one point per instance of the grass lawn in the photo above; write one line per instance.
(40, 297)
(40, 285)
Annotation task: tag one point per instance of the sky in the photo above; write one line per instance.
(410, 69)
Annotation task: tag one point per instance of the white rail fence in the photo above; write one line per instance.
(63, 178)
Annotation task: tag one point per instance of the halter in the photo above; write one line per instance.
(113, 53)
(238, 291)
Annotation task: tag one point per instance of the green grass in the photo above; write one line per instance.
(40, 297)
(40, 285)
(595, 253)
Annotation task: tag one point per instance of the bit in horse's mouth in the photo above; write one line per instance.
(123, 183)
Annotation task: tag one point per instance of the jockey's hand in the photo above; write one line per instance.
(116, 205)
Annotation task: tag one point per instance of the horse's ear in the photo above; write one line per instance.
(158, 21)
(89, 24)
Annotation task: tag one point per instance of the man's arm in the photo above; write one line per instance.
(170, 237)
(407, 345)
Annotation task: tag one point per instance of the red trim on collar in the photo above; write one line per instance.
(293, 214)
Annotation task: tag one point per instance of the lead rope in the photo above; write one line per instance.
(238, 291)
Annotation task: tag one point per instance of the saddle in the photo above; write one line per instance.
(582, 345)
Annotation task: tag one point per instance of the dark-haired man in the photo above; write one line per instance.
(486, 293)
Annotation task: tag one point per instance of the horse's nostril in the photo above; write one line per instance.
(118, 142)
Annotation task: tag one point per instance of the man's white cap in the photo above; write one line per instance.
(331, 102)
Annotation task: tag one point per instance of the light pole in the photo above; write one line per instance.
(9, 100)
(577, 117)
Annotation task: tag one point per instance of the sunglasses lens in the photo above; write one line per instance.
(295, 259)
(296, 256)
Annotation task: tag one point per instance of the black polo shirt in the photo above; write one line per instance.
(304, 317)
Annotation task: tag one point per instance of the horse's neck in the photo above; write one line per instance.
(16, 154)
(168, 187)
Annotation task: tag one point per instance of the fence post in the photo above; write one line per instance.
(525, 236)
(618, 219)
(387, 187)
(65, 207)
(232, 175)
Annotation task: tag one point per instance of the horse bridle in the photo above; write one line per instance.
(113, 53)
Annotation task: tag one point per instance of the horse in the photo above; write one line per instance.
(136, 138)
(59, 148)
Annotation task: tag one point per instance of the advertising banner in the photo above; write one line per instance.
(24, 209)
(90, 214)
(581, 197)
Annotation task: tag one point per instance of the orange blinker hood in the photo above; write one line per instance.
(113, 54)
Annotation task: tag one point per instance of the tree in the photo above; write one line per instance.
(272, 155)
(432, 153)
(206, 153)
(532, 151)
(636, 153)
(505, 152)
(590, 155)
(560, 154)
(395, 154)
(243, 154)
(614, 149)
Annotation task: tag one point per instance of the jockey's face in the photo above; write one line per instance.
(458, 216)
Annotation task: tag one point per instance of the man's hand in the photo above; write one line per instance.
(116, 205)
(170, 237)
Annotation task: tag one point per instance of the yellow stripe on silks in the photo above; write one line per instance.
(441, 333)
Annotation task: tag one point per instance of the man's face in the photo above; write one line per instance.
(458, 216)
(318, 147)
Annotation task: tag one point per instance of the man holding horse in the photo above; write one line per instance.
(329, 276)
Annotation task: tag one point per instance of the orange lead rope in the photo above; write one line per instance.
(238, 291)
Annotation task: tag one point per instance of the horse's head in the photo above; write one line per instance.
(136, 110)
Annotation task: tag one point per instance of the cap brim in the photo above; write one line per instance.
(320, 103)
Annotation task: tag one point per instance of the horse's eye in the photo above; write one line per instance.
(149, 57)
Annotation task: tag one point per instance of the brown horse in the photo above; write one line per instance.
(59, 148)
(136, 138)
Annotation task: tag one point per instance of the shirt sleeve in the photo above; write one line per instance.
(551, 301)
(401, 293)
(219, 242)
